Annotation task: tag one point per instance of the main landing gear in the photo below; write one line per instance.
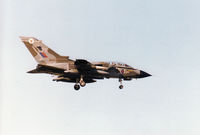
(81, 82)
(120, 86)
(76, 87)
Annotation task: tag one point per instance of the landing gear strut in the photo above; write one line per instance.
(77, 86)
(120, 86)
(81, 82)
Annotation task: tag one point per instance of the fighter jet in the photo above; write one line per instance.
(77, 71)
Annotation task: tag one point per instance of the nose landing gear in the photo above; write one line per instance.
(120, 86)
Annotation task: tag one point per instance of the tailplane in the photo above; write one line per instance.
(41, 53)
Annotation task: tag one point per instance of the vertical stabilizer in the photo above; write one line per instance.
(41, 53)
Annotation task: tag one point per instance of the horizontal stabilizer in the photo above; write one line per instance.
(34, 71)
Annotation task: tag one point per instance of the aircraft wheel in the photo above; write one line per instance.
(76, 87)
(82, 83)
(121, 87)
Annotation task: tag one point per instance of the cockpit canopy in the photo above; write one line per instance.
(111, 64)
(119, 64)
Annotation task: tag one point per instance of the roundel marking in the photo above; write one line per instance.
(122, 71)
(31, 41)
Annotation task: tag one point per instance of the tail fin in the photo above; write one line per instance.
(42, 53)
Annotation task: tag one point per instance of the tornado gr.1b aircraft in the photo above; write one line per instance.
(77, 71)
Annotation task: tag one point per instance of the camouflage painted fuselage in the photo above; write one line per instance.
(68, 70)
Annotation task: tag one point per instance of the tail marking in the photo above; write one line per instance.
(43, 55)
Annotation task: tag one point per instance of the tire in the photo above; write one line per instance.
(76, 87)
(82, 84)
(121, 87)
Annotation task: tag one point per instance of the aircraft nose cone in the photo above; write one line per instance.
(144, 74)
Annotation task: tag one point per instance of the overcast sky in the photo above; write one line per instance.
(157, 36)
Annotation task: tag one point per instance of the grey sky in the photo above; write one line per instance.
(160, 37)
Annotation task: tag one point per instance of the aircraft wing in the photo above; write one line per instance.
(88, 69)
(83, 66)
